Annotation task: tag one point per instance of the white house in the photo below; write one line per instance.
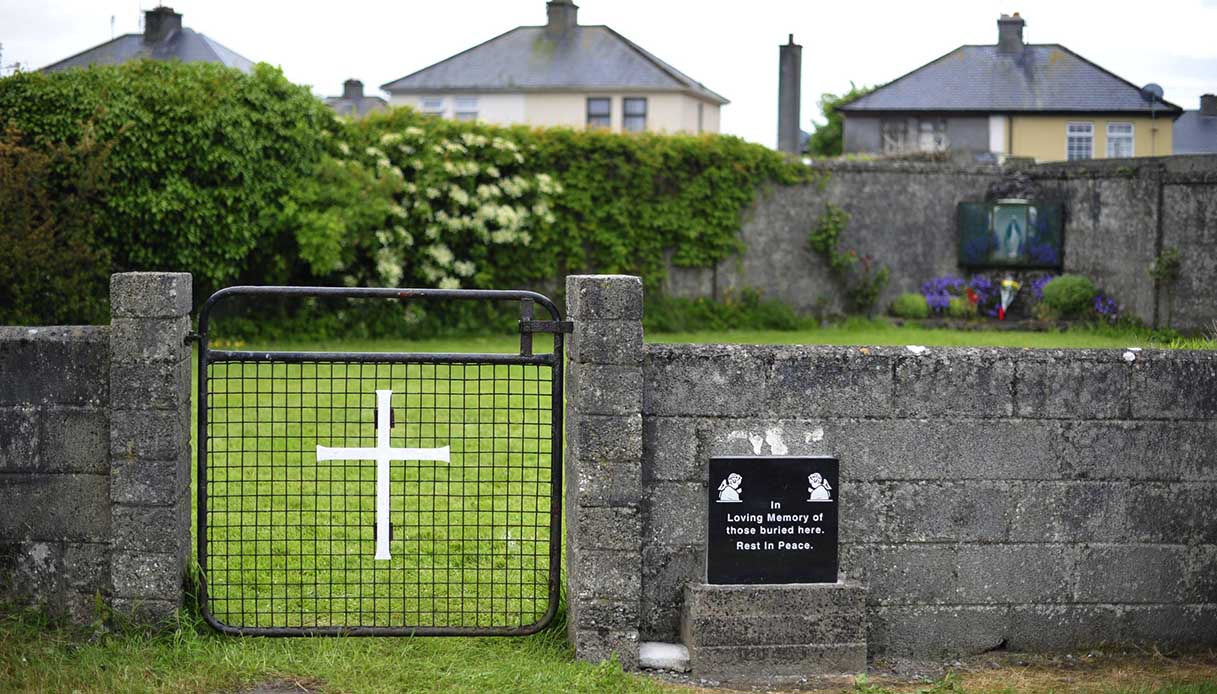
(562, 73)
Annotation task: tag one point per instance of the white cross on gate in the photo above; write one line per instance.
(382, 454)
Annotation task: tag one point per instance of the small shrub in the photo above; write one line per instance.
(1071, 296)
(742, 310)
(961, 307)
(910, 305)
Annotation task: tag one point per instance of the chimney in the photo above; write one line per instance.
(563, 16)
(352, 89)
(161, 23)
(1208, 104)
(790, 78)
(1010, 34)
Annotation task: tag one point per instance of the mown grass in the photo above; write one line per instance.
(291, 538)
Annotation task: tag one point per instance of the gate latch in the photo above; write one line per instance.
(547, 326)
(529, 326)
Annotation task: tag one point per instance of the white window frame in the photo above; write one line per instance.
(432, 105)
(465, 108)
(1131, 136)
(1068, 126)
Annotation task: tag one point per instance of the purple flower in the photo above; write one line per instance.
(1106, 307)
(938, 292)
(1037, 286)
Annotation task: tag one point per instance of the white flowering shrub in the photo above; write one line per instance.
(440, 206)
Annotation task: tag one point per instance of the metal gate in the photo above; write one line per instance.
(362, 493)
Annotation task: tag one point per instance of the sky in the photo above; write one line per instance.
(731, 47)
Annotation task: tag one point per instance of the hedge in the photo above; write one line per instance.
(201, 158)
(240, 177)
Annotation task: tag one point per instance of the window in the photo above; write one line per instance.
(599, 112)
(1119, 140)
(933, 135)
(895, 136)
(634, 114)
(1079, 141)
(433, 105)
(466, 108)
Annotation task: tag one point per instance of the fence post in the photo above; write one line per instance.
(149, 442)
(604, 467)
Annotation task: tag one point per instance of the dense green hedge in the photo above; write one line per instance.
(240, 177)
(622, 203)
(201, 158)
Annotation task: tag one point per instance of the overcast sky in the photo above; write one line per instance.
(731, 47)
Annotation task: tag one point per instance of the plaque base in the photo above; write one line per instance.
(758, 632)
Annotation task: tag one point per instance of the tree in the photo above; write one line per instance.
(827, 140)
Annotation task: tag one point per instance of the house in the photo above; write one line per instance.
(562, 73)
(1041, 101)
(164, 38)
(1196, 131)
(353, 102)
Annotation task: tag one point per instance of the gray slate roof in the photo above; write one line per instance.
(1195, 134)
(186, 45)
(1044, 77)
(358, 107)
(527, 59)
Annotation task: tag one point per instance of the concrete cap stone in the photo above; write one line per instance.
(150, 294)
(604, 297)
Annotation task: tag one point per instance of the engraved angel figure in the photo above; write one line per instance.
(729, 490)
(819, 489)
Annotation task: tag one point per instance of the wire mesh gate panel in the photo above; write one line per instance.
(380, 493)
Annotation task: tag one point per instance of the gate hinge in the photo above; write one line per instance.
(546, 326)
(191, 337)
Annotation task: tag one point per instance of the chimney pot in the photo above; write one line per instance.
(352, 89)
(1010, 34)
(1208, 104)
(160, 23)
(563, 15)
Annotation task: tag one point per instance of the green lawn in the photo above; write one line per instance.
(292, 540)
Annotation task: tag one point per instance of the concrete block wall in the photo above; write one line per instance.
(1118, 215)
(55, 466)
(95, 456)
(1025, 499)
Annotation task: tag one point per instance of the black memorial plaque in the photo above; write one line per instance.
(772, 520)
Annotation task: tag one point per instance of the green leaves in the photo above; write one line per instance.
(199, 153)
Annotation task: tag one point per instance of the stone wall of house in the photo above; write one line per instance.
(990, 498)
(1119, 214)
(95, 456)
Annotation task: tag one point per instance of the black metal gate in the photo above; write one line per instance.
(366, 493)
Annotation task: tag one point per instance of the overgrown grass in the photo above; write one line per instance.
(194, 659)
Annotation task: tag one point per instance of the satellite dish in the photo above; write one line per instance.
(1152, 92)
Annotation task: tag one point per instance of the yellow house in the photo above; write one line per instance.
(562, 73)
(1012, 99)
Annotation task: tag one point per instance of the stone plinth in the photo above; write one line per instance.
(756, 632)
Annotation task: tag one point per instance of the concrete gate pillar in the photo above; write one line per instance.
(604, 467)
(149, 442)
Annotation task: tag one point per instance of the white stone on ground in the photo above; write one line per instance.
(663, 656)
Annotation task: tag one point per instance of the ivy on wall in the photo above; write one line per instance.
(863, 278)
(584, 201)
